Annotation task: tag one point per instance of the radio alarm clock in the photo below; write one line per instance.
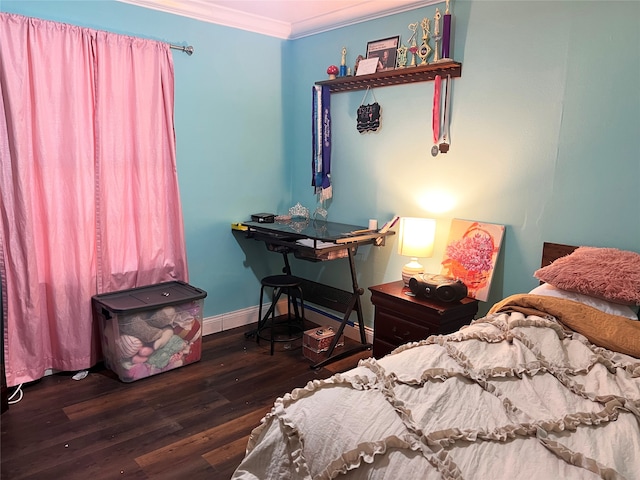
(437, 287)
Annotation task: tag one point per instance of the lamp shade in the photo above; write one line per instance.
(416, 237)
(416, 240)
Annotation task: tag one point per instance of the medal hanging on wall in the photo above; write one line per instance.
(440, 147)
(368, 115)
(444, 146)
(435, 115)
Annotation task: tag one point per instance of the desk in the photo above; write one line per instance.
(321, 241)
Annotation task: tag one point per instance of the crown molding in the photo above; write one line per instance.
(352, 15)
(212, 13)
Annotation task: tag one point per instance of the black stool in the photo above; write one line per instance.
(294, 327)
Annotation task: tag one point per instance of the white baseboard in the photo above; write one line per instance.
(247, 316)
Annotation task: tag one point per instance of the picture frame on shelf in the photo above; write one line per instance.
(367, 66)
(386, 51)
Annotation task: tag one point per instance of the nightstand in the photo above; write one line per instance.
(401, 317)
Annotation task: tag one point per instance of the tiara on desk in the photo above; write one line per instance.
(299, 211)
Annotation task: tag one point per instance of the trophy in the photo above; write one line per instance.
(425, 49)
(436, 35)
(413, 48)
(402, 56)
(446, 33)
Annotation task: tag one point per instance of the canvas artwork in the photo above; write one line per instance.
(471, 255)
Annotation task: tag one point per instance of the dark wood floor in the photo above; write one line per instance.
(192, 422)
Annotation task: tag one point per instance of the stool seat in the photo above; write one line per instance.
(293, 326)
(275, 281)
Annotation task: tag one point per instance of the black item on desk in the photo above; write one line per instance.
(263, 217)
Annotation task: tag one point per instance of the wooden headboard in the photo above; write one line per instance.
(553, 251)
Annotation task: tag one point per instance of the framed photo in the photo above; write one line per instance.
(386, 51)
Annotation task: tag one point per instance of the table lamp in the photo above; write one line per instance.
(415, 240)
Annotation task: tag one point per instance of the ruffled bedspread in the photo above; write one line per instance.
(512, 396)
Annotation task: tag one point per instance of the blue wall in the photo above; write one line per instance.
(544, 132)
(229, 133)
(544, 135)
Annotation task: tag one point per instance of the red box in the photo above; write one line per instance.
(312, 355)
(319, 339)
(316, 342)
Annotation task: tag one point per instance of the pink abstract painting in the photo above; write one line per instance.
(471, 255)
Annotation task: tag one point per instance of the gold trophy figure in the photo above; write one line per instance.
(402, 56)
(425, 49)
(413, 47)
(436, 35)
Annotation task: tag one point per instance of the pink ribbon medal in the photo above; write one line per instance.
(435, 120)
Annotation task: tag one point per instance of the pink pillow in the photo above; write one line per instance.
(606, 273)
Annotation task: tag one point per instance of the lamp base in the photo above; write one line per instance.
(410, 269)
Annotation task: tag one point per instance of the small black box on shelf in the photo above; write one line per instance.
(263, 217)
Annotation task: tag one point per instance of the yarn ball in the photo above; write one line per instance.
(139, 359)
(190, 333)
(145, 351)
(128, 345)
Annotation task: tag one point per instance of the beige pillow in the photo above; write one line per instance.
(606, 273)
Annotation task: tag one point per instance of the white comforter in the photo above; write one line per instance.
(512, 396)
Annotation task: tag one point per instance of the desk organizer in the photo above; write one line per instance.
(149, 330)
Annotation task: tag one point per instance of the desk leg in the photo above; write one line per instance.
(357, 292)
(287, 268)
(355, 302)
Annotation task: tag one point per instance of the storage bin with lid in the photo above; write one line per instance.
(148, 330)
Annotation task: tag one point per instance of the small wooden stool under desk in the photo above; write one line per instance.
(401, 318)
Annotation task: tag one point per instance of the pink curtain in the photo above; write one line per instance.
(89, 199)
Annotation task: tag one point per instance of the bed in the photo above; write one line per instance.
(545, 386)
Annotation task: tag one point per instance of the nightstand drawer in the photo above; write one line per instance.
(397, 331)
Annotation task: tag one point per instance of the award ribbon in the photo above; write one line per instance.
(444, 146)
(435, 119)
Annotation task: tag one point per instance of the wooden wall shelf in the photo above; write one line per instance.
(398, 76)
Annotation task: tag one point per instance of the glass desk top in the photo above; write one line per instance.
(316, 230)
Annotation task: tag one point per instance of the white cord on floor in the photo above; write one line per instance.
(17, 391)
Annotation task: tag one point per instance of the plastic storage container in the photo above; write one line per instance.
(149, 330)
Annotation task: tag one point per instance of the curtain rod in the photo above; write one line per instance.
(188, 50)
